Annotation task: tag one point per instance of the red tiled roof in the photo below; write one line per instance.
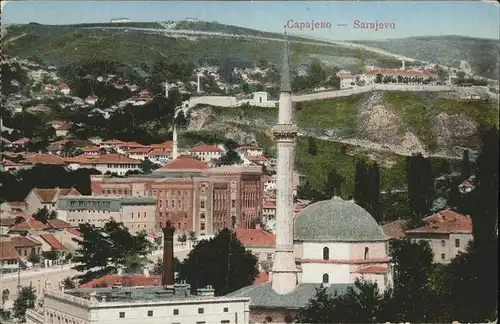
(160, 153)
(45, 159)
(395, 229)
(185, 163)
(24, 241)
(8, 222)
(23, 140)
(262, 278)
(4, 140)
(446, 221)
(27, 226)
(269, 204)
(91, 97)
(112, 158)
(51, 195)
(112, 142)
(139, 150)
(256, 158)
(9, 163)
(91, 149)
(59, 224)
(8, 251)
(466, 184)
(52, 241)
(403, 73)
(206, 148)
(166, 144)
(298, 207)
(63, 85)
(255, 236)
(132, 144)
(126, 281)
(372, 269)
(63, 142)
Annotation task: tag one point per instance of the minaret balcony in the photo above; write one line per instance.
(285, 131)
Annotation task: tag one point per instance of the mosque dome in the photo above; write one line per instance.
(336, 220)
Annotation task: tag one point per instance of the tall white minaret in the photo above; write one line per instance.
(199, 83)
(175, 151)
(403, 65)
(166, 88)
(284, 272)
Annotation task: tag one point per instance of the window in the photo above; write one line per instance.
(457, 242)
(443, 243)
(176, 312)
(269, 256)
(200, 310)
(226, 309)
(202, 226)
(443, 256)
(269, 319)
(233, 203)
(150, 313)
(122, 314)
(202, 215)
(367, 250)
(202, 204)
(325, 278)
(225, 322)
(200, 322)
(326, 253)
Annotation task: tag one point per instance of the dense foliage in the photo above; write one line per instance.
(222, 262)
(103, 251)
(26, 299)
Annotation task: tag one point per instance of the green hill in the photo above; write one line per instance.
(482, 54)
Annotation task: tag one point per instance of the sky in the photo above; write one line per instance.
(410, 18)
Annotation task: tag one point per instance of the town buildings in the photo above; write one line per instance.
(193, 196)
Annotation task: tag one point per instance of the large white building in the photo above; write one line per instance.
(136, 213)
(152, 305)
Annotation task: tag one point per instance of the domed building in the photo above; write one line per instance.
(334, 242)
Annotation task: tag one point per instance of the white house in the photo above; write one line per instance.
(113, 163)
(91, 100)
(252, 150)
(139, 153)
(347, 80)
(207, 153)
(64, 89)
(159, 156)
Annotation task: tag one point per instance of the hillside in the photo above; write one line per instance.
(482, 54)
(61, 45)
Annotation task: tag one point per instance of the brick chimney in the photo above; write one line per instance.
(168, 255)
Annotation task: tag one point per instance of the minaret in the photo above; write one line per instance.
(284, 272)
(175, 151)
(166, 88)
(199, 83)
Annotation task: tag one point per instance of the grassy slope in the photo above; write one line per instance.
(482, 54)
(60, 45)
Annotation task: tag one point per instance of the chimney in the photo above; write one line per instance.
(257, 226)
(205, 293)
(168, 255)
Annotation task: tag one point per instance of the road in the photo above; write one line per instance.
(57, 274)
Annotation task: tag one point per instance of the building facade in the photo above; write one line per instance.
(194, 197)
(136, 213)
(172, 304)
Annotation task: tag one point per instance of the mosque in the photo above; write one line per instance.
(329, 243)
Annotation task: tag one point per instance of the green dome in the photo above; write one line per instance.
(336, 220)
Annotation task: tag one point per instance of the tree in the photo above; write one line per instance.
(378, 78)
(222, 262)
(43, 215)
(103, 250)
(192, 237)
(318, 75)
(420, 187)
(465, 166)
(413, 264)
(230, 158)
(159, 265)
(361, 303)
(333, 184)
(68, 283)
(182, 238)
(52, 255)
(34, 258)
(147, 166)
(25, 300)
(312, 148)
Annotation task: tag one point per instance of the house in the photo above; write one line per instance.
(13, 206)
(261, 243)
(47, 159)
(39, 108)
(251, 150)
(39, 198)
(61, 127)
(347, 80)
(269, 214)
(64, 88)
(17, 108)
(113, 163)
(26, 246)
(207, 153)
(269, 183)
(139, 153)
(466, 187)
(165, 146)
(91, 100)
(159, 156)
(11, 166)
(50, 243)
(92, 150)
(399, 76)
(447, 232)
(9, 258)
(255, 160)
(21, 142)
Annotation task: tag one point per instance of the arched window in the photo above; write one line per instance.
(443, 243)
(202, 215)
(367, 250)
(288, 319)
(326, 278)
(443, 256)
(326, 253)
(5, 295)
(269, 319)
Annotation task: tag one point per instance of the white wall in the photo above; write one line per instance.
(314, 251)
(337, 273)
